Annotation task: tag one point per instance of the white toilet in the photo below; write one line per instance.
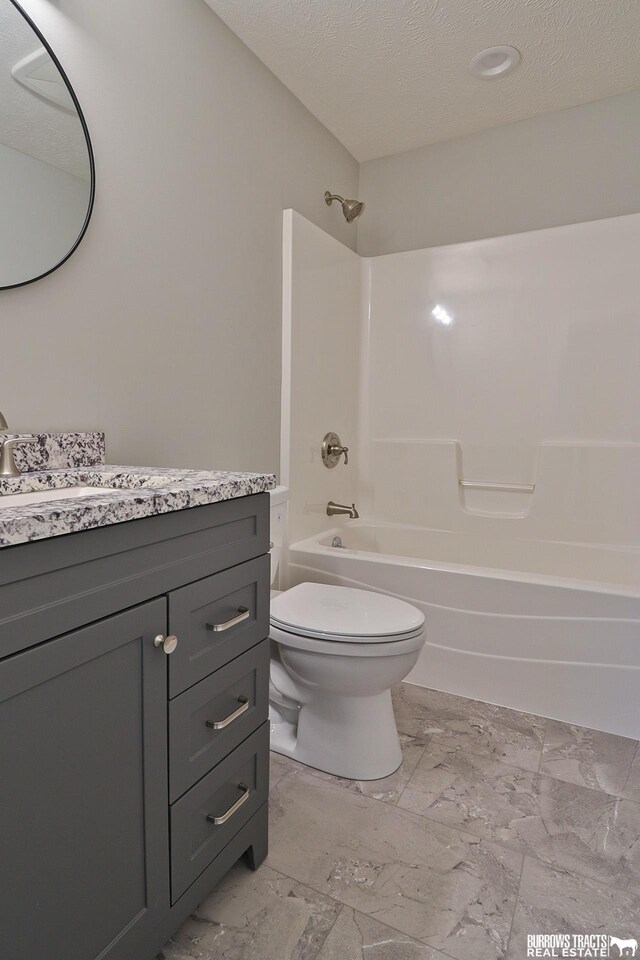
(335, 654)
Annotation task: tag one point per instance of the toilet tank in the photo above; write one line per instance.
(279, 499)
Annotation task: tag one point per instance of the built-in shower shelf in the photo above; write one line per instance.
(493, 498)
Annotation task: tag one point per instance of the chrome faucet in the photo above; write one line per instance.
(8, 466)
(336, 509)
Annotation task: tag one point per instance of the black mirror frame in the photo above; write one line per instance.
(92, 168)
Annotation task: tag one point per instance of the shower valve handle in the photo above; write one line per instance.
(332, 450)
(337, 451)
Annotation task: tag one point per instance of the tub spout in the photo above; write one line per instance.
(334, 509)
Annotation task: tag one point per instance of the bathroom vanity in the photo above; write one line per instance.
(133, 703)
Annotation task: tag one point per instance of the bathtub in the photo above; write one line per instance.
(544, 627)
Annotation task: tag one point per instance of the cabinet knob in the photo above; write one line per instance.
(168, 644)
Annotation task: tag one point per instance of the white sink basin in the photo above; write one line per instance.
(49, 496)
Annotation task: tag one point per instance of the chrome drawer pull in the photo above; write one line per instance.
(221, 724)
(243, 614)
(218, 821)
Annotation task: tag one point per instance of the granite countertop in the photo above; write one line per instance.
(69, 460)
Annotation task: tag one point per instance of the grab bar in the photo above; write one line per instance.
(490, 485)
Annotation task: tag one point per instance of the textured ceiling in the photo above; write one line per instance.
(29, 123)
(389, 75)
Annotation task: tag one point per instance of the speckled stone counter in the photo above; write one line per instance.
(53, 451)
(137, 491)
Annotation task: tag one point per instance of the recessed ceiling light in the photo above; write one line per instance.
(494, 62)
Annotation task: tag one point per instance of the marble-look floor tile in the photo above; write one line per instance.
(256, 916)
(589, 758)
(574, 828)
(355, 936)
(470, 725)
(470, 791)
(631, 788)
(550, 901)
(278, 768)
(436, 884)
(388, 789)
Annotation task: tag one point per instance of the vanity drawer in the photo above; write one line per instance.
(231, 794)
(236, 698)
(216, 619)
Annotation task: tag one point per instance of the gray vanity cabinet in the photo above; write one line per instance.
(83, 790)
(130, 786)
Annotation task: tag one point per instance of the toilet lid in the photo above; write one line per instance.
(325, 610)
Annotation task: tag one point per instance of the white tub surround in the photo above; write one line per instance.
(580, 493)
(519, 354)
(546, 628)
(320, 370)
(496, 379)
(498, 461)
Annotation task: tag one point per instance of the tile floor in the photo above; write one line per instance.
(497, 824)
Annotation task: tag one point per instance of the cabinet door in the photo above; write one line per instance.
(83, 791)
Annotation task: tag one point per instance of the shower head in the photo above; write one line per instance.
(351, 208)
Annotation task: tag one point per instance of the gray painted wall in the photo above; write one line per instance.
(164, 327)
(574, 165)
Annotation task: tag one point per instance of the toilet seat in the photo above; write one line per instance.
(344, 614)
(349, 647)
(337, 615)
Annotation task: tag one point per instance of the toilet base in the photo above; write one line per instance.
(350, 737)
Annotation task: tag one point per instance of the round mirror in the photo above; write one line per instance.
(46, 162)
